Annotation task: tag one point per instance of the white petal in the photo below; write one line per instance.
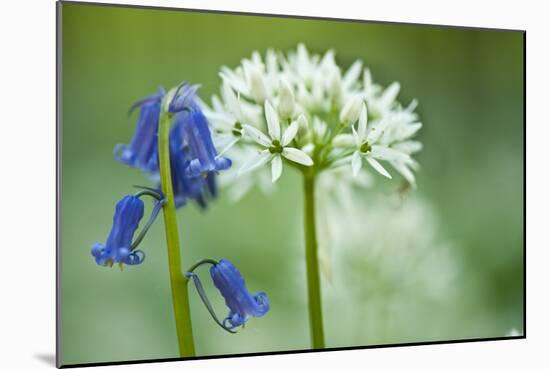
(271, 62)
(356, 163)
(234, 80)
(308, 149)
(408, 147)
(217, 104)
(378, 130)
(390, 93)
(304, 97)
(343, 140)
(412, 105)
(386, 153)
(408, 131)
(352, 74)
(256, 135)
(273, 125)
(328, 60)
(335, 83)
(362, 125)
(302, 58)
(356, 138)
(319, 128)
(405, 172)
(219, 120)
(276, 168)
(230, 98)
(377, 166)
(297, 156)
(229, 145)
(255, 162)
(290, 133)
(414, 165)
(367, 79)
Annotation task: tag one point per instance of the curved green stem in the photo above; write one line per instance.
(312, 264)
(180, 299)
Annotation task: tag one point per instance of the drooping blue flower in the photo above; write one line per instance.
(184, 186)
(241, 303)
(142, 152)
(204, 158)
(117, 249)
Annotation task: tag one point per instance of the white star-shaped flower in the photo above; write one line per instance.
(227, 119)
(276, 145)
(367, 146)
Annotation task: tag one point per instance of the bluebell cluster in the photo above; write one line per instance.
(194, 164)
(193, 158)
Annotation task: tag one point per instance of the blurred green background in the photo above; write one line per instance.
(470, 87)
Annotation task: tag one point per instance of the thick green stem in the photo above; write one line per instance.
(312, 264)
(180, 299)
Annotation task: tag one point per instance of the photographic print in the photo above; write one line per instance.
(239, 184)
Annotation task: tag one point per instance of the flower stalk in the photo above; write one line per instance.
(180, 299)
(312, 264)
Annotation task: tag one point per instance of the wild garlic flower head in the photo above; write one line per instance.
(304, 110)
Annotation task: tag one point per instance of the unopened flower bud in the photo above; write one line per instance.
(256, 84)
(286, 100)
(351, 110)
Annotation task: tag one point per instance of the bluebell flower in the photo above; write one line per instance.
(142, 152)
(204, 158)
(191, 123)
(118, 248)
(184, 186)
(241, 303)
(193, 157)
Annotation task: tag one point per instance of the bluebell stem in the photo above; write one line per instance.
(241, 303)
(142, 152)
(119, 247)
